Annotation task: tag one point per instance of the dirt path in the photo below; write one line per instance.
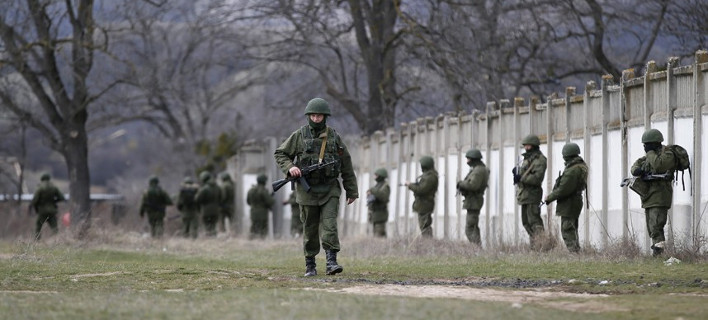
(576, 302)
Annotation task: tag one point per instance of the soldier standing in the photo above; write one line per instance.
(228, 197)
(528, 179)
(295, 220)
(154, 202)
(377, 200)
(260, 201)
(424, 192)
(656, 168)
(472, 188)
(187, 205)
(311, 144)
(208, 199)
(568, 191)
(44, 203)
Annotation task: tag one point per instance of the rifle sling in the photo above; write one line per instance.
(324, 143)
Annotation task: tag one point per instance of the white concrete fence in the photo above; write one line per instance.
(606, 121)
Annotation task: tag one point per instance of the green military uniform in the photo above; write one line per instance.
(472, 188)
(657, 201)
(187, 205)
(209, 200)
(228, 200)
(154, 202)
(528, 179)
(295, 219)
(261, 201)
(320, 206)
(424, 192)
(568, 191)
(377, 200)
(44, 203)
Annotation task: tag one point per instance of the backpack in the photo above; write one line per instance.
(187, 195)
(682, 161)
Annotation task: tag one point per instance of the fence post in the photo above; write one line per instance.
(698, 102)
(606, 82)
(587, 136)
(626, 75)
(670, 109)
(490, 106)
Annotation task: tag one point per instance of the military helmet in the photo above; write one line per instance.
(426, 162)
(473, 154)
(652, 135)
(45, 177)
(381, 172)
(531, 139)
(225, 176)
(188, 180)
(571, 149)
(319, 106)
(154, 179)
(204, 176)
(262, 178)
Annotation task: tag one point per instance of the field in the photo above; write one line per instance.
(125, 275)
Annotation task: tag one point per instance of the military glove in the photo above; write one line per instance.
(637, 172)
(513, 171)
(517, 178)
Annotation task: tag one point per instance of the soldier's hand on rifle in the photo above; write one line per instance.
(295, 172)
(638, 172)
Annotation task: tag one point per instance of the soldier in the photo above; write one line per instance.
(377, 200)
(208, 199)
(311, 144)
(154, 202)
(528, 179)
(295, 220)
(260, 201)
(656, 169)
(568, 191)
(228, 197)
(472, 188)
(44, 203)
(424, 192)
(187, 205)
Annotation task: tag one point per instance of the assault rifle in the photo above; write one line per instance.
(301, 179)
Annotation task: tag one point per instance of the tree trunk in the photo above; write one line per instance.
(76, 155)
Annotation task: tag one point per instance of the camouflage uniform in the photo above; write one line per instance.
(187, 205)
(261, 201)
(529, 178)
(378, 206)
(319, 207)
(295, 219)
(424, 192)
(568, 191)
(153, 203)
(44, 203)
(228, 197)
(657, 201)
(472, 188)
(208, 199)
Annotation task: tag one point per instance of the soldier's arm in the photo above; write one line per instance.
(167, 198)
(382, 193)
(567, 186)
(285, 153)
(476, 181)
(269, 200)
(661, 162)
(59, 196)
(426, 185)
(638, 164)
(537, 173)
(347, 172)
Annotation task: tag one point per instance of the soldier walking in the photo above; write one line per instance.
(568, 191)
(528, 178)
(261, 201)
(472, 188)
(44, 203)
(656, 169)
(187, 205)
(295, 220)
(424, 192)
(377, 200)
(154, 202)
(209, 200)
(311, 144)
(228, 197)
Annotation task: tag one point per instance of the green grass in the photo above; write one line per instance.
(129, 277)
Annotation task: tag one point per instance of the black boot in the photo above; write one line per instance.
(310, 267)
(657, 249)
(332, 266)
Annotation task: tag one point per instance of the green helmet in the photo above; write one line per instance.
(188, 180)
(225, 176)
(381, 172)
(571, 149)
(427, 162)
(652, 135)
(473, 154)
(319, 106)
(531, 139)
(204, 176)
(45, 177)
(262, 178)
(153, 180)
